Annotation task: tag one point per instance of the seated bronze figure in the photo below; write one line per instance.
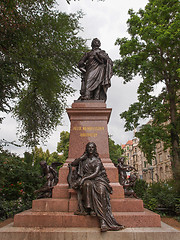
(90, 181)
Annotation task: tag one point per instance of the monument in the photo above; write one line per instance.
(54, 218)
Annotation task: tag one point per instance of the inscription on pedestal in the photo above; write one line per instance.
(88, 131)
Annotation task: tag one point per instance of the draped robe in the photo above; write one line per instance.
(97, 74)
(96, 189)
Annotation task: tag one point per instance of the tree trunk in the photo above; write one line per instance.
(175, 160)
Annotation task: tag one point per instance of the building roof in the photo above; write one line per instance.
(130, 142)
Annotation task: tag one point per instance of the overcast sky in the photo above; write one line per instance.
(106, 21)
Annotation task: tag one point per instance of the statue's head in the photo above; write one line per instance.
(91, 148)
(95, 43)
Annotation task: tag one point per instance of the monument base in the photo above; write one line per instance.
(88, 124)
(165, 232)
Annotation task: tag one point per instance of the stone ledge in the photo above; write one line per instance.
(68, 219)
(19, 233)
(62, 205)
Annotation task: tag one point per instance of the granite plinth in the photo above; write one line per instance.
(63, 205)
(68, 219)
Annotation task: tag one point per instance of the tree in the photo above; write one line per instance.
(115, 150)
(39, 155)
(63, 145)
(39, 51)
(153, 53)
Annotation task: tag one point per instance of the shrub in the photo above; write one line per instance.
(140, 188)
(10, 208)
(18, 182)
(159, 196)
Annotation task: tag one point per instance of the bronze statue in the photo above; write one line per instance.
(51, 175)
(90, 180)
(96, 68)
(127, 184)
(123, 169)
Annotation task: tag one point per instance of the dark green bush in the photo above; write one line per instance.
(140, 187)
(19, 179)
(161, 197)
(10, 208)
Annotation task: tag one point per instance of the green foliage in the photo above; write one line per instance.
(19, 179)
(152, 52)
(140, 187)
(149, 136)
(177, 206)
(39, 155)
(10, 208)
(159, 196)
(115, 150)
(63, 145)
(150, 202)
(55, 157)
(39, 51)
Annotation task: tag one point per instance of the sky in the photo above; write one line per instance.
(105, 20)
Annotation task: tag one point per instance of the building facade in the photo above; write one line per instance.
(159, 170)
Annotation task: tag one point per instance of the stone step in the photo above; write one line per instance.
(67, 219)
(64, 205)
(111, 171)
(61, 191)
(165, 232)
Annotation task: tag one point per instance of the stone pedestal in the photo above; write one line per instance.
(89, 121)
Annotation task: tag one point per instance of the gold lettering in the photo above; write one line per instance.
(88, 128)
(77, 128)
(88, 134)
(93, 128)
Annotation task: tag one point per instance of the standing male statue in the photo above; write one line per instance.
(96, 68)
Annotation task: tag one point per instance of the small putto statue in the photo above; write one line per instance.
(51, 175)
(127, 183)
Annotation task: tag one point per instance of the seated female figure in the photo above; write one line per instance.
(92, 185)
